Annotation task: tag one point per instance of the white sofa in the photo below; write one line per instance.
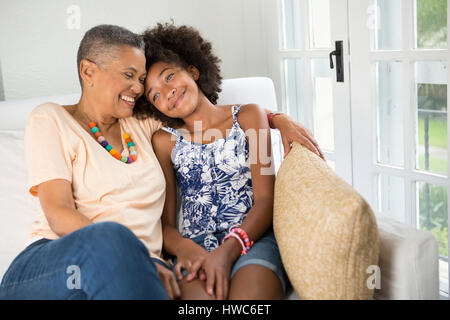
(408, 257)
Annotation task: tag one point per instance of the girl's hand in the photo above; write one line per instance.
(190, 257)
(291, 131)
(169, 281)
(217, 267)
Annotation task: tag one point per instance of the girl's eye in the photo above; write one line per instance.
(169, 77)
(155, 97)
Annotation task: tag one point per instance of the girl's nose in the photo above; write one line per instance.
(172, 92)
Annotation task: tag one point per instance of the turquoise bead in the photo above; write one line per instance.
(124, 159)
(108, 147)
(94, 129)
(130, 144)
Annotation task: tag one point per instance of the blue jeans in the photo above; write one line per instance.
(101, 261)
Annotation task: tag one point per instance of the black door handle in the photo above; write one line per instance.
(339, 61)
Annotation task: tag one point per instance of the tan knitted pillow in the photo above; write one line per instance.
(326, 232)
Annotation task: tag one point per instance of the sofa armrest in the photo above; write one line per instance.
(409, 262)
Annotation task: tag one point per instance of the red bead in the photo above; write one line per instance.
(92, 124)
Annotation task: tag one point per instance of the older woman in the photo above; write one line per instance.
(100, 186)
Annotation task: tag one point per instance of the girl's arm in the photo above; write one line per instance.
(253, 121)
(174, 243)
(217, 265)
(162, 145)
(291, 131)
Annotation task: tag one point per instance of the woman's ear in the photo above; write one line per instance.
(194, 72)
(87, 72)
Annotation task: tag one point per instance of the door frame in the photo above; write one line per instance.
(273, 28)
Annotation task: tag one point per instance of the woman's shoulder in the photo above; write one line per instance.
(48, 109)
(149, 125)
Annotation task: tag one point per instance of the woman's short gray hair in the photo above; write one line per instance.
(100, 44)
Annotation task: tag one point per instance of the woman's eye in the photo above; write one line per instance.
(155, 97)
(128, 75)
(142, 80)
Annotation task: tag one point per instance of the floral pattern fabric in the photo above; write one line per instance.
(215, 184)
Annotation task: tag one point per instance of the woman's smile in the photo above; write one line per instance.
(130, 101)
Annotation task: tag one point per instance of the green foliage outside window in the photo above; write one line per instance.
(432, 23)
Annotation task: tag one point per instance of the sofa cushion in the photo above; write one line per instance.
(409, 262)
(326, 232)
(17, 206)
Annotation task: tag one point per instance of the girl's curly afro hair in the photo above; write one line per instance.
(184, 46)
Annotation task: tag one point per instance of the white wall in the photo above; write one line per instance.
(38, 50)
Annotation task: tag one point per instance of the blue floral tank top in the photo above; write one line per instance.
(215, 184)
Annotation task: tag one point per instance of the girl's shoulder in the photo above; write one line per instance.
(250, 109)
(162, 136)
(251, 116)
(163, 142)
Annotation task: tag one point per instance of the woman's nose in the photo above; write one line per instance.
(137, 88)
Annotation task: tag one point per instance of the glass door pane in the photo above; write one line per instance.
(387, 15)
(431, 90)
(391, 197)
(293, 73)
(431, 24)
(390, 113)
(320, 24)
(291, 24)
(433, 216)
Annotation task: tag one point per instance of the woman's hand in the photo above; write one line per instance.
(293, 131)
(169, 281)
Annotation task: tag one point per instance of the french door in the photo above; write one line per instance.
(399, 84)
(306, 32)
(384, 128)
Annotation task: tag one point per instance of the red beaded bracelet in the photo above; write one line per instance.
(241, 235)
(270, 118)
(234, 235)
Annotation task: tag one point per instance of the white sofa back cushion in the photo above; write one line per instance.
(18, 207)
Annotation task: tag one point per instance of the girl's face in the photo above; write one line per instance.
(172, 89)
(121, 82)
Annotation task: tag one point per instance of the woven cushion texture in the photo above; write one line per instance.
(326, 232)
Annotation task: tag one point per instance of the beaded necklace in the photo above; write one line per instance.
(130, 145)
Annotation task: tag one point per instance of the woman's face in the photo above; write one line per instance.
(172, 89)
(119, 84)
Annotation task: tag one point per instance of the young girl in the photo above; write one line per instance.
(218, 157)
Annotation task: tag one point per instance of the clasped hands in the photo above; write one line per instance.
(214, 267)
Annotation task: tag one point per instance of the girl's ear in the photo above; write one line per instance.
(194, 72)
